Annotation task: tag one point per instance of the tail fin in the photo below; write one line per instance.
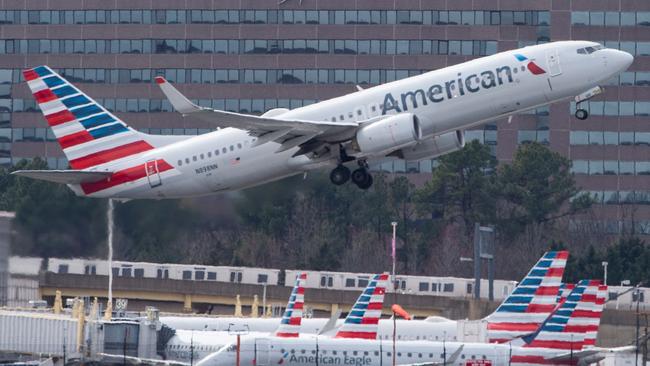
(292, 317)
(568, 327)
(589, 312)
(363, 319)
(88, 134)
(565, 290)
(532, 301)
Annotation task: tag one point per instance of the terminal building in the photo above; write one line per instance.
(250, 56)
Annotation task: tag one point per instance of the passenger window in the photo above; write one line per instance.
(187, 160)
(202, 156)
(224, 150)
(342, 117)
(239, 146)
(216, 152)
(180, 162)
(333, 119)
(232, 148)
(194, 158)
(209, 154)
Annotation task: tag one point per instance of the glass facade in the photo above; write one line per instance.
(294, 54)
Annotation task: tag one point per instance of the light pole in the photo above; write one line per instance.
(618, 295)
(604, 263)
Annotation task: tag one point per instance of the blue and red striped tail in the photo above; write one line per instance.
(89, 135)
(363, 319)
(292, 317)
(531, 302)
(565, 290)
(575, 320)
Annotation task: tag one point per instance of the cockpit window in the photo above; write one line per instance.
(589, 50)
(231, 348)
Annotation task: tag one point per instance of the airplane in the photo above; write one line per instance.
(361, 322)
(188, 346)
(421, 117)
(558, 340)
(527, 303)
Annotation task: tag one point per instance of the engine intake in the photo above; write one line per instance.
(389, 134)
(433, 147)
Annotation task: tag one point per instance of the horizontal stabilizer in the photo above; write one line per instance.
(64, 176)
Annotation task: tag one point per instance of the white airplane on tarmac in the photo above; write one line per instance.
(522, 312)
(559, 340)
(420, 117)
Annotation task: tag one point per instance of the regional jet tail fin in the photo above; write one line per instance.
(363, 319)
(292, 317)
(64, 176)
(573, 322)
(531, 302)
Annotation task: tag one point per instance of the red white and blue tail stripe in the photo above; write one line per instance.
(363, 319)
(292, 317)
(568, 326)
(565, 290)
(565, 331)
(88, 134)
(532, 301)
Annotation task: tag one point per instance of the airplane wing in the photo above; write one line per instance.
(148, 361)
(450, 361)
(64, 176)
(288, 132)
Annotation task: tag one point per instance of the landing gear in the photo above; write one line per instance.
(340, 175)
(581, 114)
(361, 177)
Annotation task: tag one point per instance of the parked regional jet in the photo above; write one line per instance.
(559, 340)
(420, 117)
(189, 346)
(520, 313)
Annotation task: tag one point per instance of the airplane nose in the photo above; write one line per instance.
(617, 61)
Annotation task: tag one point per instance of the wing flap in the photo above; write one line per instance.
(64, 176)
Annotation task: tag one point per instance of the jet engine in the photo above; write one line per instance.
(388, 134)
(433, 147)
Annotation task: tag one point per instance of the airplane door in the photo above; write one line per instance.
(553, 62)
(262, 352)
(153, 174)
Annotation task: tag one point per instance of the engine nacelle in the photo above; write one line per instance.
(390, 134)
(433, 147)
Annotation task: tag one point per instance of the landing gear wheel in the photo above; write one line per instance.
(362, 178)
(366, 184)
(340, 175)
(582, 114)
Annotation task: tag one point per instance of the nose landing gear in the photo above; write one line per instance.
(582, 114)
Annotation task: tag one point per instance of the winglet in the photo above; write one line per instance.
(178, 100)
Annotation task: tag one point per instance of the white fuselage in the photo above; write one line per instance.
(435, 328)
(449, 99)
(313, 351)
(205, 335)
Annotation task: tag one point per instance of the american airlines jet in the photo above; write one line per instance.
(560, 340)
(520, 313)
(420, 117)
